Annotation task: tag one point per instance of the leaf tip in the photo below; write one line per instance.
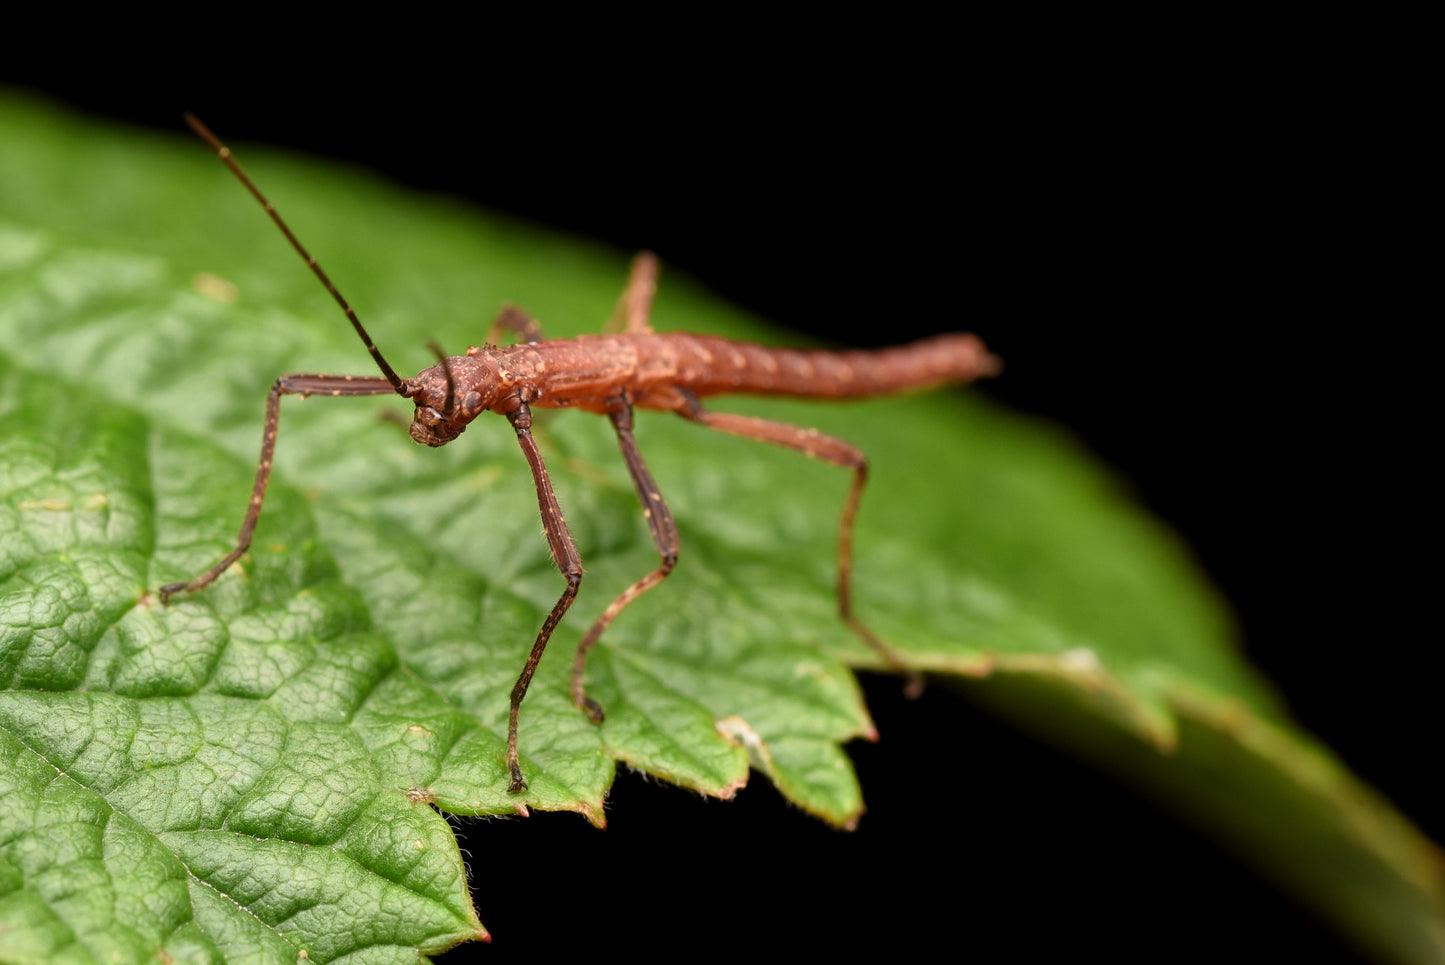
(729, 790)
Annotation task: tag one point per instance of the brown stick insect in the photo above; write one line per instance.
(613, 375)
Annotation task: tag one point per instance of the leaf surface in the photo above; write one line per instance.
(251, 771)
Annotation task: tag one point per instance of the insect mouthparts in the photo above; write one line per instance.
(430, 428)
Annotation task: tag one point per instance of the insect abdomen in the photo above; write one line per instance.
(708, 365)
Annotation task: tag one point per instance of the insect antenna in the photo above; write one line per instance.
(224, 153)
(451, 383)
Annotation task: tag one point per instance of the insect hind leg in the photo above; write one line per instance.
(819, 445)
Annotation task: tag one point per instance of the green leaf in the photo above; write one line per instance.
(251, 771)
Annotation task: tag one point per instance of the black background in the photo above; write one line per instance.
(1182, 266)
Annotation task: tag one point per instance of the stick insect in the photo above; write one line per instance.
(613, 375)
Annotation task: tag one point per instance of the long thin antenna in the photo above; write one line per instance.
(224, 153)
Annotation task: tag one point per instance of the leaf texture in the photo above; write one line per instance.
(255, 770)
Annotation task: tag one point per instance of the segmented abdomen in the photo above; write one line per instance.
(707, 365)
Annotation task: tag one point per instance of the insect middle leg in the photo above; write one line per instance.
(511, 317)
(818, 445)
(664, 537)
(294, 384)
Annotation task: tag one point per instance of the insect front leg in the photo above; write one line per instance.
(664, 537)
(295, 384)
(569, 562)
(818, 445)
